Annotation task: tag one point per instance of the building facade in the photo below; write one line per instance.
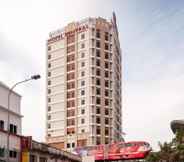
(33, 151)
(14, 125)
(84, 81)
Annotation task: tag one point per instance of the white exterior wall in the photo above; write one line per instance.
(15, 119)
(14, 99)
(87, 130)
(58, 85)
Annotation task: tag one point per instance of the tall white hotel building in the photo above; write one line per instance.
(84, 81)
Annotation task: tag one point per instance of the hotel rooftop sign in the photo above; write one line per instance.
(65, 34)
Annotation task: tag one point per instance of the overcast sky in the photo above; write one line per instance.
(152, 42)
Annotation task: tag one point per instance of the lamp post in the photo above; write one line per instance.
(33, 77)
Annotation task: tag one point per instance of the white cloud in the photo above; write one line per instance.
(151, 106)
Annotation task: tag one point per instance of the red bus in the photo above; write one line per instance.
(116, 151)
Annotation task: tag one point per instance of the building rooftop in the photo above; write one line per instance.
(80, 22)
(8, 88)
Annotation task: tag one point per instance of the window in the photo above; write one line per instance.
(106, 65)
(49, 73)
(49, 126)
(106, 121)
(98, 120)
(70, 85)
(98, 82)
(49, 91)
(82, 73)
(110, 56)
(106, 131)
(98, 33)
(82, 83)
(71, 94)
(49, 57)
(82, 111)
(106, 112)
(82, 36)
(70, 58)
(70, 122)
(82, 64)
(42, 159)
(98, 44)
(49, 82)
(106, 74)
(106, 36)
(1, 124)
(93, 44)
(49, 108)
(82, 55)
(97, 110)
(82, 121)
(70, 38)
(93, 71)
(98, 91)
(49, 65)
(49, 117)
(82, 92)
(14, 130)
(70, 130)
(82, 130)
(97, 53)
(106, 55)
(110, 47)
(2, 152)
(106, 140)
(82, 45)
(70, 48)
(106, 102)
(49, 48)
(106, 83)
(106, 93)
(110, 37)
(70, 113)
(98, 101)
(49, 99)
(12, 154)
(110, 93)
(71, 67)
(71, 103)
(93, 31)
(97, 62)
(70, 76)
(33, 158)
(92, 61)
(98, 130)
(98, 141)
(82, 102)
(68, 145)
(73, 144)
(98, 72)
(106, 46)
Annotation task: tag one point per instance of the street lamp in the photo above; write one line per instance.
(33, 77)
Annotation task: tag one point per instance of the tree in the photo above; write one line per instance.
(170, 151)
(153, 157)
(166, 151)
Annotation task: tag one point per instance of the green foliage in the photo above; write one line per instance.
(169, 151)
(152, 157)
